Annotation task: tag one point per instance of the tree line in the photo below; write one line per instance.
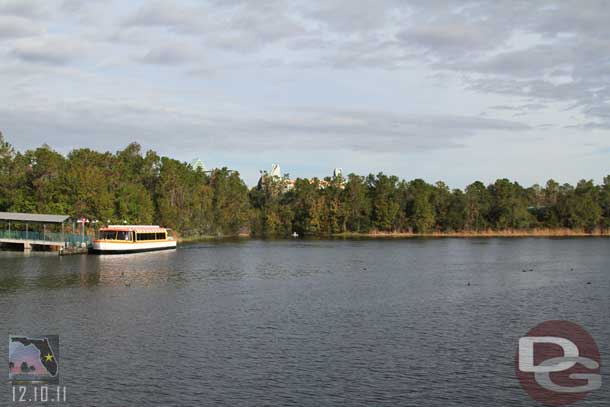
(143, 188)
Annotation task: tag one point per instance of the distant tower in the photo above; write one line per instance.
(197, 164)
(276, 171)
(337, 172)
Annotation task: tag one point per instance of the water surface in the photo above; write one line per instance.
(429, 322)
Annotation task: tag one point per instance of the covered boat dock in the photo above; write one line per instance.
(18, 230)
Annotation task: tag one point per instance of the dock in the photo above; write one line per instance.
(18, 233)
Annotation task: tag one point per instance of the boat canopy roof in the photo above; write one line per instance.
(134, 228)
(32, 217)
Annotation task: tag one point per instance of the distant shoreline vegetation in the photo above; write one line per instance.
(144, 188)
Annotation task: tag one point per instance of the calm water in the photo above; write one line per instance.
(315, 323)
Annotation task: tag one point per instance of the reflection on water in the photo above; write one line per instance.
(138, 269)
(367, 322)
(48, 270)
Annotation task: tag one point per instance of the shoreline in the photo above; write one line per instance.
(508, 233)
(477, 234)
(207, 238)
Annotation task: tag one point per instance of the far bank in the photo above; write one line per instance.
(563, 232)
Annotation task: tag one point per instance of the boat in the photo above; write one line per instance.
(115, 239)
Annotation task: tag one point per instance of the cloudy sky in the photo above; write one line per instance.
(445, 90)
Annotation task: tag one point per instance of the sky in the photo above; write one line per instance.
(28, 354)
(441, 90)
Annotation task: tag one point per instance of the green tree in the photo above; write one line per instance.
(88, 185)
(604, 200)
(456, 212)
(441, 200)
(510, 206)
(230, 204)
(547, 209)
(45, 180)
(177, 197)
(385, 205)
(477, 201)
(579, 207)
(307, 207)
(333, 210)
(134, 204)
(272, 212)
(7, 154)
(420, 207)
(356, 205)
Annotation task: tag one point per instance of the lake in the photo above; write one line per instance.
(427, 322)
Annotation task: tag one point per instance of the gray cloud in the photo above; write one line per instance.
(562, 41)
(111, 123)
(254, 28)
(16, 27)
(525, 107)
(504, 107)
(448, 39)
(551, 51)
(345, 16)
(565, 63)
(242, 26)
(171, 54)
(32, 9)
(588, 17)
(169, 15)
(52, 51)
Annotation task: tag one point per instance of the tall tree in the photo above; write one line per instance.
(383, 190)
(421, 209)
(604, 200)
(7, 154)
(547, 210)
(441, 200)
(272, 212)
(45, 180)
(88, 182)
(230, 203)
(356, 204)
(579, 207)
(477, 207)
(307, 207)
(510, 205)
(456, 212)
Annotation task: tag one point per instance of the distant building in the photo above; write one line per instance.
(337, 173)
(197, 164)
(275, 175)
(276, 171)
(288, 184)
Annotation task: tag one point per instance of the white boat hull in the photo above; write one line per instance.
(105, 247)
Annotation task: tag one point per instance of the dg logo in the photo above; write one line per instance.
(558, 363)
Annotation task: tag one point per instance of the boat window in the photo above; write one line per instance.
(123, 235)
(160, 236)
(108, 235)
(146, 236)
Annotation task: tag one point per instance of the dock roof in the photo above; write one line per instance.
(32, 217)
